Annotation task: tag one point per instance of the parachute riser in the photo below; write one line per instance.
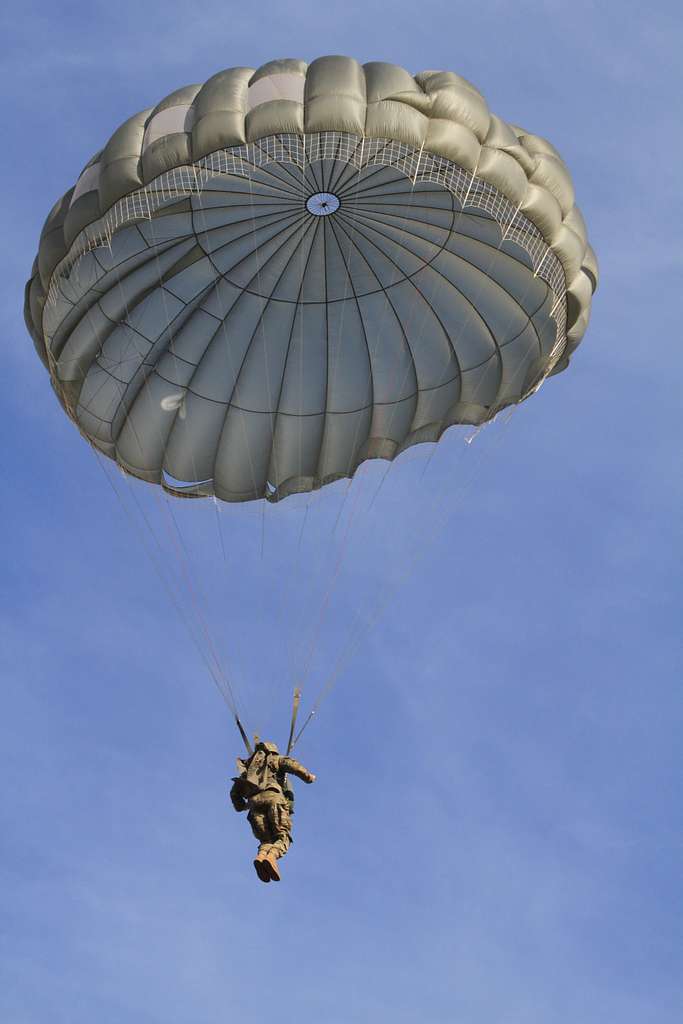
(244, 736)
(295, 712)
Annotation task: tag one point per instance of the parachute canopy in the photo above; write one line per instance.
(271, 277)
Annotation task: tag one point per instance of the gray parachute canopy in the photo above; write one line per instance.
(271, 277)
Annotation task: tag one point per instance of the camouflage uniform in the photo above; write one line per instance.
(261, 788)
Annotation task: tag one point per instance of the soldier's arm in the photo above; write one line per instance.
(292, 767)
(238, 800)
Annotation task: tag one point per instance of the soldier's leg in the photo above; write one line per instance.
(258, 819)
(259, 826)
(279, 826)
(283, 830)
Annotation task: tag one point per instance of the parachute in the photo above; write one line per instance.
(268, 279)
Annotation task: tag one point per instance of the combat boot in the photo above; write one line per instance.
(262, 867)
(272, 868)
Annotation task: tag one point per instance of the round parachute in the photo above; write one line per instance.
(267, 279)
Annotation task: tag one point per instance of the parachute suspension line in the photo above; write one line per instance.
(210, 656)
(317, 628)
(261, 326)
(355, 642)
(318, 582)
(229, 353)
(216, 671)
(342, 504)
(284, 596)
(220, 529)
(326, 600)
(305, 256)
(353, 479)
(324, 187)
(316, 572)
(305, 245)
(391, 588)
(193, 590)
(330, 186)
(303, 526)
(420, 552)
(263, 528)
(487, 369)
(365, 624)
(158, 568)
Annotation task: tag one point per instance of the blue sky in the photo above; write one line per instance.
(496, 833)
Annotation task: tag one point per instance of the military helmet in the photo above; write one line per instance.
(270, 748)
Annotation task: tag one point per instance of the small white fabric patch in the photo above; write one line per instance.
(169, 403)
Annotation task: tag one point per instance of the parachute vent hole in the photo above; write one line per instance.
(322, 204)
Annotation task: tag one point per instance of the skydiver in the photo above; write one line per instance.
(262, 789)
